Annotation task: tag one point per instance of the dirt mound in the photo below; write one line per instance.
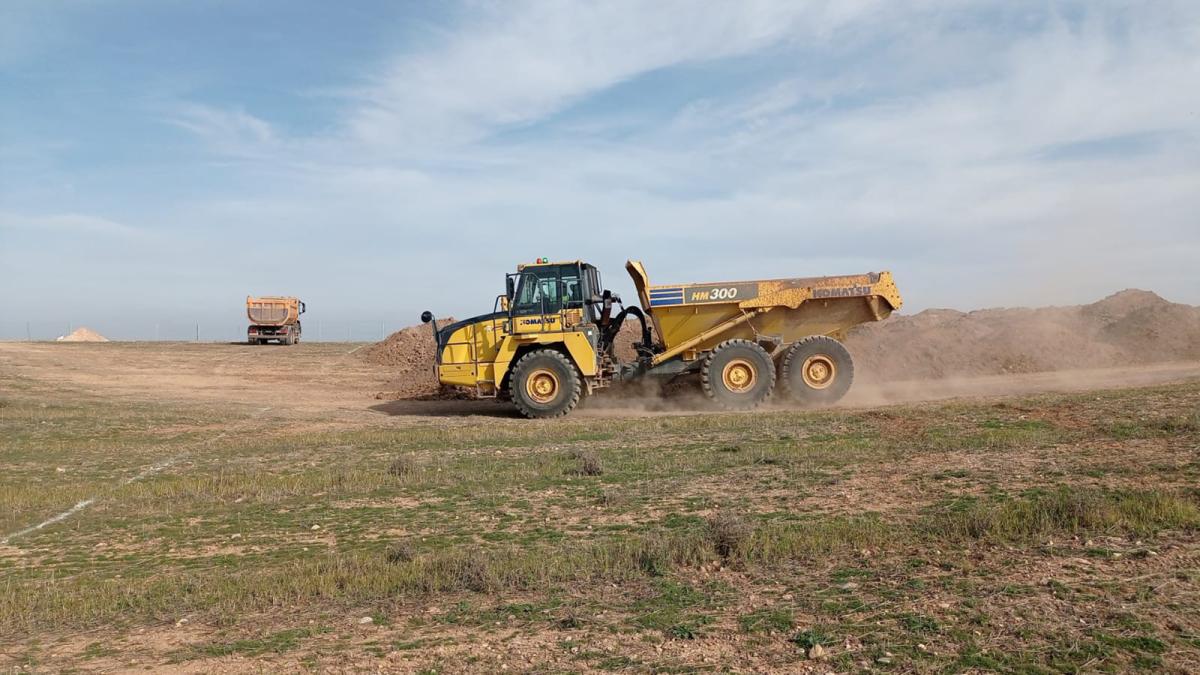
(82, 334)
(1127, 328)
(631, 332)
(409, 355)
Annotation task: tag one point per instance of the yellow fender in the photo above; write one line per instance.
(577, 345)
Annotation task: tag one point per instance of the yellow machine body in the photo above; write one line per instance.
(692, 318)
(690, 321)
(478, 353)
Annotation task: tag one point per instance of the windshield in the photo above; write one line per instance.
(548, 289)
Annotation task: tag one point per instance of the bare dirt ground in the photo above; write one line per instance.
(328, 378)
(231, 508)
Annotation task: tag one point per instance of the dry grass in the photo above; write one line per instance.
(728, 533)
(589, 463)
(983, 531)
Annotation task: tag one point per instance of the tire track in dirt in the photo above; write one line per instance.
(141, 475)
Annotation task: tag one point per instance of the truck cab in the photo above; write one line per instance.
(538, 294)
(546, 330)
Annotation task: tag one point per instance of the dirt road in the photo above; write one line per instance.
(328, 378)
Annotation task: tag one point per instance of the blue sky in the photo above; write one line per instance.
(161, 160)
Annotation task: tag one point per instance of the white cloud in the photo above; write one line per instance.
(234, 132)
(517, 62)
(68, 223)
(965, 155)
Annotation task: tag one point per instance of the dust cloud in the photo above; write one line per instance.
(1131, 338)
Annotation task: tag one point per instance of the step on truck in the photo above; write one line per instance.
(549, 340)
(273, 317)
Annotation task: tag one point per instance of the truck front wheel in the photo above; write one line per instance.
(544, 383)
(738, 375)
(817, 371)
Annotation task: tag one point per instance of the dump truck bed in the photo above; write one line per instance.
(272, 310)
(693, 317)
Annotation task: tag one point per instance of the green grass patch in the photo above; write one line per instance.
(1069, 510)
(767, 621)
(275, 643)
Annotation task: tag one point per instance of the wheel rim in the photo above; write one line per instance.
(542, 385)
(819, 371)
(739, 376)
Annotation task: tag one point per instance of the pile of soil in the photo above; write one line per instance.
(409, 356)
(1127, 328)
(631, 332)
(82, 334)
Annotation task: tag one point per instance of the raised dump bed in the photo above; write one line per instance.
(733, 326)
(694, 317)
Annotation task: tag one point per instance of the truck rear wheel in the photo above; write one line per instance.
(738, 375)
(817, 371)
(544, 383)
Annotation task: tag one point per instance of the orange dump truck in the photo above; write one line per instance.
(273, 317)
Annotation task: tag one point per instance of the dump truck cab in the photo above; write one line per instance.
(549, 340)
(545, 329)
(550, 291)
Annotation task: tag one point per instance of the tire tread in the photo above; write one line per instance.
(514, 381)
(706, 378)
(807, 395)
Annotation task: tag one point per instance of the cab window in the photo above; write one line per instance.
(548, 289)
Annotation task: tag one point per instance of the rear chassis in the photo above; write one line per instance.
(261, 334)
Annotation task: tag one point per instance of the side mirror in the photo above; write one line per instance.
(426, 316)
(510, 287)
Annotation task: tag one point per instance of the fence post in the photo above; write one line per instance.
(28, 333)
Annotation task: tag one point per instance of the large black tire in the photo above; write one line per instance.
(737, 375)
(816, 371)
(544, 383)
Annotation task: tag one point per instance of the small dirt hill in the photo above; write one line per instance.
(83, 334)
(1127, 328)
(408, 355)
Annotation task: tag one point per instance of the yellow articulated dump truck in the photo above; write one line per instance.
(273, 317)
(549, 340)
